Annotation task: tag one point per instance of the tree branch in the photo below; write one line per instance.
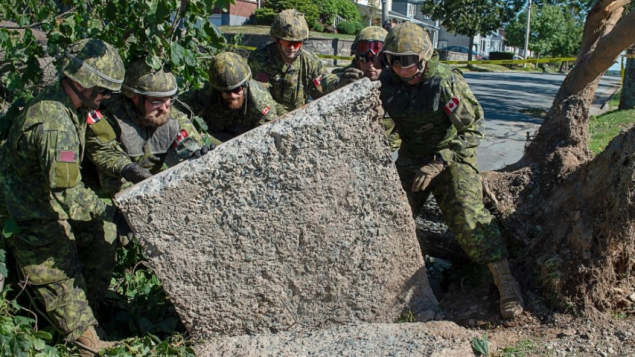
(14, 26)
(600, 21)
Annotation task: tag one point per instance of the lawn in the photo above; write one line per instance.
(264, 30)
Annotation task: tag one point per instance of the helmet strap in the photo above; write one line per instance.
(416, 75)
(141, 107)
(88, 102)
(245, 97)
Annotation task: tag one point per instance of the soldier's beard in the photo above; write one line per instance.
(234, 103)
(156, 118)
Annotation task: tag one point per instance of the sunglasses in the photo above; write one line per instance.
(366, 48)
(236, 90)
(293, 44)
(402, 60)
(156, 103)
(364, 59)
(104, 91)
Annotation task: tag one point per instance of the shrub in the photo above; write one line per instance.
(349, 27)
(264, 16)
(501, 55)
(318, 27)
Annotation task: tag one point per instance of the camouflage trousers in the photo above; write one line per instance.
(459, 194)
(67, 264)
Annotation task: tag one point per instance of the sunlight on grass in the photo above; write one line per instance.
(534, 112)
(520, 349)
(605, 127)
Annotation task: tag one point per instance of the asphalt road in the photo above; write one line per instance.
(504, 95)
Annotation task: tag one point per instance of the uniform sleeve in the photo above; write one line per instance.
(59, 155)
(322, 82)
(257, 64)
(103, 149)
(466, 115)
(191, 105)
(268, 108)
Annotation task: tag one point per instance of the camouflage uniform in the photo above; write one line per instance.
(291, 84)
(150, 147)
(66, 245)
(439, 116)
(228, 71)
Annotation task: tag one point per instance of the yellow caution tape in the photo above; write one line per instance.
(532, 60)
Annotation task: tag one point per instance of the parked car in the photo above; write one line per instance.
(463, 49)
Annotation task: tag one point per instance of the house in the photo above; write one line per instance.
(236, 14)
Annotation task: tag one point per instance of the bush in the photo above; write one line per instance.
(318, 27)
(264, 16)
(501, 55)
(349, 27)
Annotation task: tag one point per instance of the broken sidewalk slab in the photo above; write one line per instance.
(297, 225)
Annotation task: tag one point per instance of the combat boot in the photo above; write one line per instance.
(89, 343)
(511, 302)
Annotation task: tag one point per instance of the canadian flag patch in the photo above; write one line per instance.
(67, 156)
(180, 137)
(266, 110)
(451, 106)
(318, 81)
(93, 116)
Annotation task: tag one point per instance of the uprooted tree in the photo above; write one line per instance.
(575, 213)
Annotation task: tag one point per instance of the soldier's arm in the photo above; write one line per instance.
(189, 108)
(103, 149)
(466, 115)
(59, 155)
(267, 108)
(322, 82)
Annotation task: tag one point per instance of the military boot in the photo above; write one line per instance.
(511, 303)
(89, 343)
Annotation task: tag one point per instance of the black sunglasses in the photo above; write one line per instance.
(364, 59)
(403, 60)
(104, 91)
(235, 90)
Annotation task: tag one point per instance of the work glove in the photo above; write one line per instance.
(149, 161)
(202, 151)
(349, 76)
(123, 229)
(426, 173)
(135, 174)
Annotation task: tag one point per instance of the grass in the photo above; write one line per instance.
(520, 349)
(605, 127)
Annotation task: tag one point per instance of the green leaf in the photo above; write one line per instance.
(43, 335)
(480, 347)
(177, 53)
(10, 228)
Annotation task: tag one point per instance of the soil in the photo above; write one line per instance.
(471, 301)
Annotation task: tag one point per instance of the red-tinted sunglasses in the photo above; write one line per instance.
(368, 48)
(293, 44)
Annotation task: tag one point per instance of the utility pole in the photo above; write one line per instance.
(526, 50)
(384, 12)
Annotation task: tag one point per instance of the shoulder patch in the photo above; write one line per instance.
(93, 117)
(262, 77)
(451, 105)
(180, 137)
(266, 110)
(317, 81)
(66, 156)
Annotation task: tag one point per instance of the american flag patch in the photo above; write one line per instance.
(266, 110)
(93, 116)
(451, 106)
(317, 81)
(67, 156)
(180, 137)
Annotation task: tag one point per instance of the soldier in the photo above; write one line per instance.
(366, 46)
(231, 103)
(291, 72)
(149, 129)
(440, 123)
(65, 247)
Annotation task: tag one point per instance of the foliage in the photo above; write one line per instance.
(173, 32)
(520, 349)
(317, 13)
(264, 16)
(605, 127)
(480, 346)
(501, 55)
(308, 8)
(349, 27)
(471, 18)
(554, 31)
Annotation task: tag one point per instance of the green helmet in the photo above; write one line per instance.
(409, 38)
(369, 34)
(290, 25)
(228, 71)
(141, 79)
(94, 63)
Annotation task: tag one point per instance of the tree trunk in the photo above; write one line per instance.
(627, 99)
(574, 213)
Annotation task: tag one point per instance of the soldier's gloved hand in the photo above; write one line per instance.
(149, 161)
(425, 175)
(202, 151)
(349, 76)
(135, 174)
(123, 229)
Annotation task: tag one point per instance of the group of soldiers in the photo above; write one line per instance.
(129, 124)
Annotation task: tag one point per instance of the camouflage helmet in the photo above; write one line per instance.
(290, 25)
(141, 79)
(370, 33)
(228, 71)
(409, 38)
(94, 63)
